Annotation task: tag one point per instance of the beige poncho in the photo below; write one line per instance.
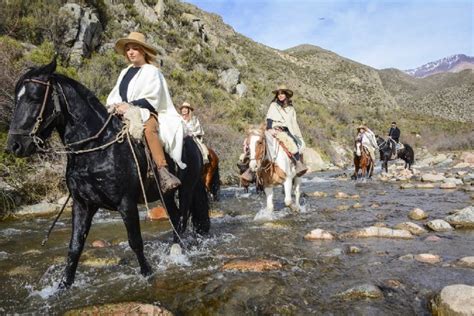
(286, 117)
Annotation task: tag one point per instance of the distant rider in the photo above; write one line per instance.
(394, 133)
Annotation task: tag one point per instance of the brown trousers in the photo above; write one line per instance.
(154, 143)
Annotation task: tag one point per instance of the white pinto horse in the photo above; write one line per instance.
(273, 167)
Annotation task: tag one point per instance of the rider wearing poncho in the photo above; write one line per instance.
(194, 129)
(141, 89)
(367, 139)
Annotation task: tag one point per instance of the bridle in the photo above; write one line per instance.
(39, 119)
(57, 113)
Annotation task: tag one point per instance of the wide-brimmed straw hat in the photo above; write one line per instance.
(283, 88)
(362, 127)
(186, 105)
(137, 38)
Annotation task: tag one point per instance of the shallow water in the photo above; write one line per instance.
(312, 273)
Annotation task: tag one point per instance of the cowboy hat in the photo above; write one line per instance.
(362, 127)
(136, 38)
(186, 105)
(283, 88)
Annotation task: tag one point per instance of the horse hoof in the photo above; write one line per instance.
(146, 271)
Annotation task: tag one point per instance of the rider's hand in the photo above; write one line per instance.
(121, 108)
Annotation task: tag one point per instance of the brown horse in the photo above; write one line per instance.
(210, 175)
(362, 162)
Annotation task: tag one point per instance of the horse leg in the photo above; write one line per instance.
(200, 210)
(297, 184)
(81, 222)
(269, 194)
(129, 213)
(287, 185)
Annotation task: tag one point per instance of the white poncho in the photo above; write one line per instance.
(150, 84)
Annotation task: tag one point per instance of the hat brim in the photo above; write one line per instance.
(288, 92)
(186, 106)
(120, 46)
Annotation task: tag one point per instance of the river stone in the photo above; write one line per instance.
(357, 205)
(317, 234)
(468, 157)
(407, 258)
(454, 300)
(439, 225)
(411, 227)
(355, 196)
(463, 218)
(427, 258)
(469, 178)
(100, 262)
(341, 195)
(425, 186)
(130, 308)
(407, 186)
(216, 214)
(342, 207)
(382, 232)
(252, 265)
(453, 180)
(100, 243)
(353, 249)
(447, 186)
(361, 291)
(467, 262)
(273, 225)
(318, 194)
(417, 214)
(375, 205)
(431, 177)
(157, 214)
(432, 238)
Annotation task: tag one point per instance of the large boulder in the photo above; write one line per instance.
(438, 225)
(456, 299)
(462, 218)
(313, 160)
(382, 232)
(229, 79)
(82, 32)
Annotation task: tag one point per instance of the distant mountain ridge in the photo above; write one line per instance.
(454, 63)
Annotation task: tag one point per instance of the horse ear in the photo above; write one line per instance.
(51, 67)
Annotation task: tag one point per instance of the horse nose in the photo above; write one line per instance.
(13, 147)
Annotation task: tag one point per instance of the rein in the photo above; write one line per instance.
(56, 113)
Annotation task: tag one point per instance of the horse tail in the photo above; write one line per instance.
(216, 184)
(410, 155)
(200, 209)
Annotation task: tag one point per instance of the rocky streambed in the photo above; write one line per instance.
(368, 247)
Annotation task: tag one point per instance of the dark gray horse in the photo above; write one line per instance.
(388, 150)
(107, 176)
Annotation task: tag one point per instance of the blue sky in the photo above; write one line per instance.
(401, 34)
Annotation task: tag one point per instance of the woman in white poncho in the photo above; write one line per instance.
(142, 86)
(194, 129)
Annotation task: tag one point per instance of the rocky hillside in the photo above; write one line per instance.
(228, 77)
(454, 63)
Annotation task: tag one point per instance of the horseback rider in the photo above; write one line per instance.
(394, 134)
(194, 129)
(281, 117)
(367, 139)
(142, 86)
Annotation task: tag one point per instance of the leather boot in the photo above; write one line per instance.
(300, 168)
(247, 175)
(168, 181)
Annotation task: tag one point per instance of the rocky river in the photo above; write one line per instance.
(386, 246)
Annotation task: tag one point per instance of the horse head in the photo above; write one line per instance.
(34, 112)
(357, 147)
(256, 145)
